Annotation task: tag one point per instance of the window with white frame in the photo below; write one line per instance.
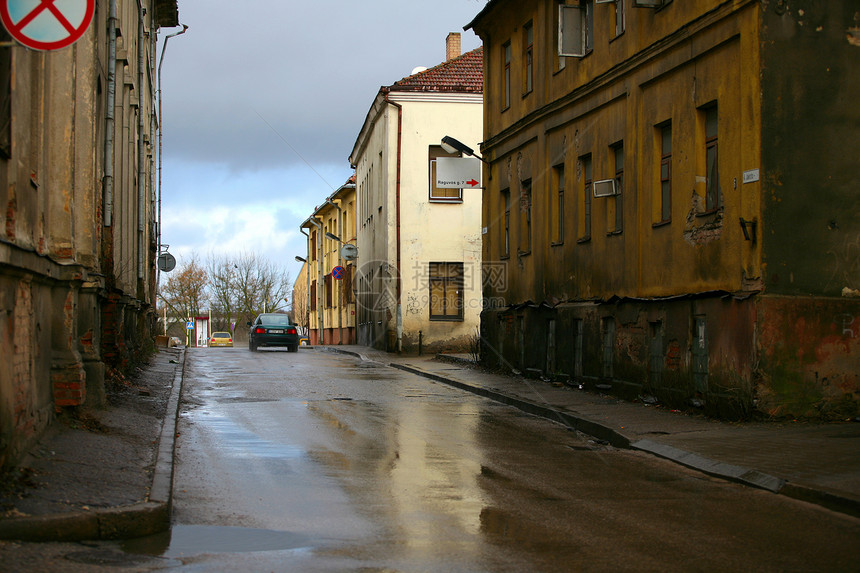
(441, 194)
(576, 29)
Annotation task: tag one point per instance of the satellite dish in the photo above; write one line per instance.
(349, 252)
(166, 262)
(418, 70)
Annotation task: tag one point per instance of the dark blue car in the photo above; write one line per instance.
(272, 329)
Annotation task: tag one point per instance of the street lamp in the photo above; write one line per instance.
(300, 260)
(333, 237)
(452, 145)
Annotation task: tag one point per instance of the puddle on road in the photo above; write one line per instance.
(188, 540)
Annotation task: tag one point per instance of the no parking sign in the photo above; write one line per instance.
(47, 24)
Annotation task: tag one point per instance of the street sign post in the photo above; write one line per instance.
(458, 173)
(47, 24)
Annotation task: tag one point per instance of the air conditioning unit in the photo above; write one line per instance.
(605, 188)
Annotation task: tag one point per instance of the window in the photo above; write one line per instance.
(313, 295)
(700, 354)
(655, 362)
(506, 76)
(558, 204)
(346, 293)
(588, 6)
(608, 347)
(561, 61)
(616, 201)
(446, 291)
(619, 17)
(328, 303)
(576, 29)
(550, 348)
(440, 194)
(587, 191)
(666, 172)
(313, 245)
(526, 217)
(712, 174)
(506, 223)
(528, 58)
(578, 346)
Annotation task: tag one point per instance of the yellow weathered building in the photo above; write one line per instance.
(78, 224)
(671, 203)
(330, 306)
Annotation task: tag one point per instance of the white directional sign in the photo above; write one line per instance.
(47, 24)
(458, 173)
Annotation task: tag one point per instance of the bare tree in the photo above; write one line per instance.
(300, 304)
(223, 286)
(250, 284)
(185, 290)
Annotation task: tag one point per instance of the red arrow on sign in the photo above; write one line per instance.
(473, 182)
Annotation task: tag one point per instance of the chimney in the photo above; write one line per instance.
(452, 45)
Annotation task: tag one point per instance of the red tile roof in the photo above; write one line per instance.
(461, 74)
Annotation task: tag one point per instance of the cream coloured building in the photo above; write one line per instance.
(418, 279)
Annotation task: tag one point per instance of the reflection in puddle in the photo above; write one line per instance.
(238, 442)
(186, 540)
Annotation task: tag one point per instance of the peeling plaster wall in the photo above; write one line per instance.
(811, 122)
(810, 357)
(774, 268)
(75, 296)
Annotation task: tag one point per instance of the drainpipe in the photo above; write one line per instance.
(141, 125)
(340, 264)
(320, 280)
(109, 115)
(153, 129)
(161, 132)
(308, 277)
(397, 215)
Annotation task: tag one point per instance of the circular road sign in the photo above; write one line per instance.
(337, 272)
(166, 262)
(47, 24)
(349, 252)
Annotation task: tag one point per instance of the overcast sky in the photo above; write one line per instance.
(263, 101)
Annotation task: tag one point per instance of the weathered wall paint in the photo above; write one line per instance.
(76, 297)
(784, 78)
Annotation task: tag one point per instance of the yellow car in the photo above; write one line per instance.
(221, 339)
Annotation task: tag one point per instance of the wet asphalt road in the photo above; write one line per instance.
(317, 462)
(314, 461)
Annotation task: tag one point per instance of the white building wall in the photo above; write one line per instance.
(437, 232)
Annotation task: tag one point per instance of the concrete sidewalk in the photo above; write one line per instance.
(818, 463)
(104, 474)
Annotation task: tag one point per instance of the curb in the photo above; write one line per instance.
(123, 522)
(737, 474)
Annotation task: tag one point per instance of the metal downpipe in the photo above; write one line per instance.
(109, 116)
